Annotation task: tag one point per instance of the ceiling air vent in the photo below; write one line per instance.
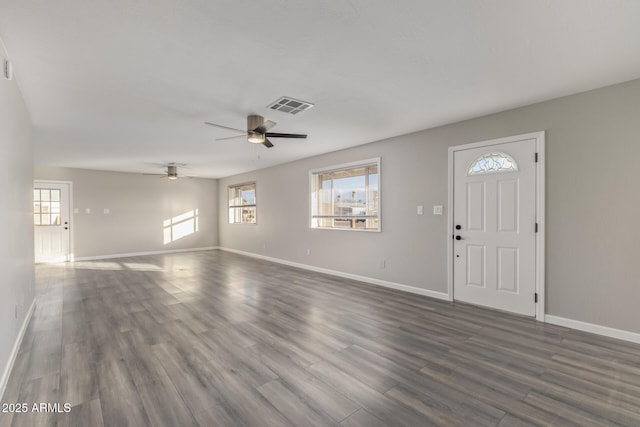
(6, 69)
(290, 105)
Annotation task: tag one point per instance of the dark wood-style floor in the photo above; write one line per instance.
(214, 338)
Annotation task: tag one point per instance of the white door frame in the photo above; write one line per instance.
(70, 257)
(540, 211)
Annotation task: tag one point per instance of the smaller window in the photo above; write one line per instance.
(242, 204)
(46, 206)
(492, 162)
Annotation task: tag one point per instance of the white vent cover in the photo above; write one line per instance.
(6, 69)
(290, 105)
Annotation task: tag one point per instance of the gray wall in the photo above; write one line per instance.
(16, 241)
(593, 201)
(138, 206)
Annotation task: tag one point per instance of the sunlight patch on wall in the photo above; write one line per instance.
(180, 226)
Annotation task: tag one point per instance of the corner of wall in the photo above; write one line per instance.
(17, 283)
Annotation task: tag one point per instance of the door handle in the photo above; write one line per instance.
(458, 227)
(458, 237)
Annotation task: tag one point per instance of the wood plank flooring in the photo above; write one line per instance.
(218, 339)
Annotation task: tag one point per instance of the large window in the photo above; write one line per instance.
(242, 204)
(346, 196)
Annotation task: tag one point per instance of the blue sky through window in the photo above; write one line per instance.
(345, 188)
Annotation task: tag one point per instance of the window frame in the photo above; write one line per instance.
(50, 211)
(492, 155)
(344, 166)
(254, 205)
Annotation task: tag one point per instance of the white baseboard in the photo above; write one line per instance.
(595, 329)
(130, 254)
(14, 352)
(555, 320)
(370, 280)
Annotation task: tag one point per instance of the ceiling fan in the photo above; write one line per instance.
(256, 132)
(171, 172)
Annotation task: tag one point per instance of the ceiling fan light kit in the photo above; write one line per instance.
(256, 138)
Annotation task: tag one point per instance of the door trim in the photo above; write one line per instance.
(540, 212)
(70, 256)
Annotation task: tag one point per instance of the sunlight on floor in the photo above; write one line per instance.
(115, 266)
(141, 266)
(97, 265)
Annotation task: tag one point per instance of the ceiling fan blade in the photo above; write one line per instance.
(263, 128)
(268, 125)
(285, 135)
(267, 143)
(225, 127)
(231, 137)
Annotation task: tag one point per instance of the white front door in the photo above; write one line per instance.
(494, 225)
(51, 221)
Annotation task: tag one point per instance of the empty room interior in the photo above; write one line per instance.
(337, 213)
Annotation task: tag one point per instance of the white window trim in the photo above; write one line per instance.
(342, 166)
(255, 184)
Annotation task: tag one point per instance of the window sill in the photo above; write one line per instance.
(361, 230)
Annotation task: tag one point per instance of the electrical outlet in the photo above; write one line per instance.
(308, 251)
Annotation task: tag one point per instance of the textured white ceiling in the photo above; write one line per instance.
(126, 85)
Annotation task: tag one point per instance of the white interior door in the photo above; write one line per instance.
(494, 221)
(51, 222)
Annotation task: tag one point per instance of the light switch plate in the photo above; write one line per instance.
(437, 209)
(87, 210)
(420, 210)
(107, 211)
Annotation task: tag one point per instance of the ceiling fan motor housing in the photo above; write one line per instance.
(254, 122)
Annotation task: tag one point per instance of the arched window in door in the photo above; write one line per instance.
(491, 163)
